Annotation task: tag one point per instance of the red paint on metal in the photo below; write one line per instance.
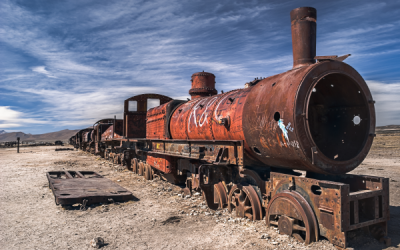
(279, 107)
(162, 163)
(112, 133)
(217, 117)
(155, 124)
(203, 84)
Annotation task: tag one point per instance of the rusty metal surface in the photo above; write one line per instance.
(134, 122)
(203, 84)
(162, 163)
(99, 128)
(294, 127)
(293, 216)
(217, 152)
(244, 200)
(72, 187)
(217, 117)
(157, 121)
(340, 203)
(114, 131)
(220, 195)
(80, 140)
(302, 119)
(304, 35)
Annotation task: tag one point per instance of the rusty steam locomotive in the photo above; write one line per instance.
(279, 148)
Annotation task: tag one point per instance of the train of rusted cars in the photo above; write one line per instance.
(279, 148)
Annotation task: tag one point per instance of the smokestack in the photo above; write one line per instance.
(203, 84)
(304, 35)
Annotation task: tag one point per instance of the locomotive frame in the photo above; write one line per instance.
(293, 182)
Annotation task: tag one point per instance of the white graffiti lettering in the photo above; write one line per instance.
(203, 117)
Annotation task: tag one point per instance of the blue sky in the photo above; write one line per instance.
(66, 64)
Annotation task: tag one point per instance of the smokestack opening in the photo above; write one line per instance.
(304, 35)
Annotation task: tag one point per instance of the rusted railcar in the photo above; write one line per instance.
(86, 139)
(81, 139)
(119, 139)
(277, 149)
(99, 127)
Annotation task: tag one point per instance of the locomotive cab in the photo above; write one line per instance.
(135, 110)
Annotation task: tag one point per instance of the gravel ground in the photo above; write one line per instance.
(158, 218)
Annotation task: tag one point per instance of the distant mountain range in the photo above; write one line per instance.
(62, 135)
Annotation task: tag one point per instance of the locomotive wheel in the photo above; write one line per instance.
(293, 216)
(148, 172)
(220, 195)
(140, 168)
(134, 165)
(244, 199)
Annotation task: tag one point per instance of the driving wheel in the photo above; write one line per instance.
(244, 200)
(292, 214)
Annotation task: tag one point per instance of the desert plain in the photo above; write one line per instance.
(158, 217)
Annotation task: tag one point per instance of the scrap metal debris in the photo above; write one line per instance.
(84, 187)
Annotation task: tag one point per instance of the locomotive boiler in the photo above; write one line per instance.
(277, 149)
(317, 117)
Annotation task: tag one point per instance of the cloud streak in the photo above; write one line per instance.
(42, 70)
(10, 118)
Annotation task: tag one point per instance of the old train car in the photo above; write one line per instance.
(86, 139)
(279, 148)
(81, 139)
(119, 140)
(99, 128)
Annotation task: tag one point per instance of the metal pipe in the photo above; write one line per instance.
(304, 35)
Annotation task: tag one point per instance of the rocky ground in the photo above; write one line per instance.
(159, 217)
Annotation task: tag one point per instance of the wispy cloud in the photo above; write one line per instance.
(10, 118)
(42, 70)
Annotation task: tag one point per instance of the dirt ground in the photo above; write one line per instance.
(157, 218)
